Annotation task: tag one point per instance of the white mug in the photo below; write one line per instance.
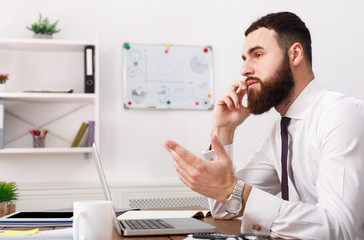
(93, 220)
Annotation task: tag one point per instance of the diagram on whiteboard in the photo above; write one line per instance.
(167, 76)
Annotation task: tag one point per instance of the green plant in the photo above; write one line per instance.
(43, 26)
(8, 191)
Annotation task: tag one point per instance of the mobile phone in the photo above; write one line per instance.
(230, 236)
(214, 236)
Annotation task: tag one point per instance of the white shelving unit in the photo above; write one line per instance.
(46, 64)
(45, 150)
(47, 97)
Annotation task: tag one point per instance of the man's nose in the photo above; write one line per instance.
(247, 69)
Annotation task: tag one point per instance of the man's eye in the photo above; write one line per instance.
(258, 55)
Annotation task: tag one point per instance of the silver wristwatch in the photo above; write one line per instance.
(234, 203)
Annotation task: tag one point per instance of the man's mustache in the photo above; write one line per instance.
(253, 78)
(256, 79)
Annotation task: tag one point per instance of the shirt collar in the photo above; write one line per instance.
(303, 102)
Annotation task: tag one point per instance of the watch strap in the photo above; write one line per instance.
(238, 190)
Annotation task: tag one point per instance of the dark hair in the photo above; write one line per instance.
(289, 28)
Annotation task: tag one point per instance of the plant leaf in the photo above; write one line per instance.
(8, 191)
(43, 26)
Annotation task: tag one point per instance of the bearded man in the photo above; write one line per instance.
(314, 154)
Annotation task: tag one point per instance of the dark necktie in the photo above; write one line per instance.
(284, 137)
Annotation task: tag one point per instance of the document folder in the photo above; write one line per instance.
(89, 69)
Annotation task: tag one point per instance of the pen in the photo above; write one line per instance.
(35, 134)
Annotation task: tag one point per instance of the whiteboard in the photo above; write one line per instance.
(167, 76)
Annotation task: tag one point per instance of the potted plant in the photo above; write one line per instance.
(3, 78)
(8, 194)
(43, 28)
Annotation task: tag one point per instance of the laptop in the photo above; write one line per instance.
(147, 227)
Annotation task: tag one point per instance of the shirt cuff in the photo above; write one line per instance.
(260, 211)
(218, 210)
(211, 155)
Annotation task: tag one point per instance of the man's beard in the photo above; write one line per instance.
(272, 91)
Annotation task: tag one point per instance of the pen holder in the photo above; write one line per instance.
(38, 141)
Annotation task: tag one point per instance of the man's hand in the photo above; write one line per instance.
(213, 179)
(229, 112)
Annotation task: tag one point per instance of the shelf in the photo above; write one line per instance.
(48, 97)
(42, 71)
(51, 45)
(45, 150)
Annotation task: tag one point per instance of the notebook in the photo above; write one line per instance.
(147, 227)
(59, 234)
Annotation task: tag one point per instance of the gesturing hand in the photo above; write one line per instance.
(213, 179)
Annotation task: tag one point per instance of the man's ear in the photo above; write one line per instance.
(295, 53)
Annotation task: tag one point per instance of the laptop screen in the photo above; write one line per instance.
(105, 187)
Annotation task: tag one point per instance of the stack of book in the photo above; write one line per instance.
(81, 132)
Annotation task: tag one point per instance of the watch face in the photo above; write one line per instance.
(233, 205)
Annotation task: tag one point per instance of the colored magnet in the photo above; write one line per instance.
(209, 95)
(205, 50)
(166, 51)
(129, 103)
(127, 46)
(197, 103)
(168, 102)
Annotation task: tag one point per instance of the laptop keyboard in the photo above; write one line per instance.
(148, 224)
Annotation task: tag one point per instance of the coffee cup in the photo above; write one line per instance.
(93, 220)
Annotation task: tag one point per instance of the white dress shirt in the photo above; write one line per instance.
(325, 172)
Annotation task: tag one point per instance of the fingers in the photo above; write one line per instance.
(184, 160)
(217, 146)
(209, 178)
(177, 150)
(220, 150)
(234, 97)
(186, 164)
(238, 86)
(237, 91)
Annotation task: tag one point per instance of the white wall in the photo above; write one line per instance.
(131, 140)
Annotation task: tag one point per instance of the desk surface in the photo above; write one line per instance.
(223, 226)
